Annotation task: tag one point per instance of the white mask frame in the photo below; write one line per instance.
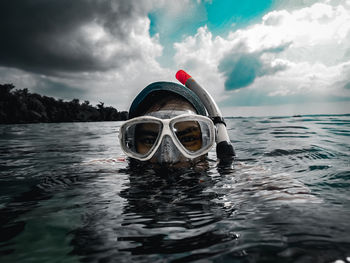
(167, 129)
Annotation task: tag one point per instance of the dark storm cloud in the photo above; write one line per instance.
(57, 89)
(241, 68)
(43, 35)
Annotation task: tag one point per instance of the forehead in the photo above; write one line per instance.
(169, 103)
(168, 114)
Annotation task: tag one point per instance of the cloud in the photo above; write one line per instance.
(114, 87)
(44, 85)
(103, 50)
(58, 89)
(289, 55)
(75, 36)
(231, 59)
(241, 69)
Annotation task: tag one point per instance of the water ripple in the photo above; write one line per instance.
(64, 188)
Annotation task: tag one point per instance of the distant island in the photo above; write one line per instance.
(21, 106)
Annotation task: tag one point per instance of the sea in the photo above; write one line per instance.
(69, 194)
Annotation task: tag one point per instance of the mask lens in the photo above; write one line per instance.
(189, 134)
(141, 137)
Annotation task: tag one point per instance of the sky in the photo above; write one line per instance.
(255, 57)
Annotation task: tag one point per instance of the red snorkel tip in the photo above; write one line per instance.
(182, 76)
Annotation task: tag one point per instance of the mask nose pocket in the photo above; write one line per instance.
(168, 152)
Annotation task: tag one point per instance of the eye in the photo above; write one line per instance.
(147, 140)
(187, 139)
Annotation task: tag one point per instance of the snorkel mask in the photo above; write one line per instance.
(167, 139)
(173, 136)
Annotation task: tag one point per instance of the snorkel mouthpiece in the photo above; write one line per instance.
(224, 148)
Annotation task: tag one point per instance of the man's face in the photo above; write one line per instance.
(187, 132)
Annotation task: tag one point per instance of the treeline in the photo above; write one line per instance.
(21, 106)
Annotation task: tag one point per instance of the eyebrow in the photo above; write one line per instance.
(147, 132)
(188, 130)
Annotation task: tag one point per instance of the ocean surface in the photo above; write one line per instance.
(67, 194)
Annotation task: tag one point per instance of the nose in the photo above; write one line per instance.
(168, 153)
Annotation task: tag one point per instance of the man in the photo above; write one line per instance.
(169, 125)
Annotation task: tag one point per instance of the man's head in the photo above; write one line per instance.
(156, 129)
(166, 95)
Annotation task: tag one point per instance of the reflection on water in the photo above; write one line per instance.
(67, 197)
(164, 213)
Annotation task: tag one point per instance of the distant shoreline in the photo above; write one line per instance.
(18, 106)
(288, 116)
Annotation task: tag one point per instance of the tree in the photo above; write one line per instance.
(21, 106)
(100, 105)
(5, 89)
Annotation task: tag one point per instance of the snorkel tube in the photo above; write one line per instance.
(224, 148)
